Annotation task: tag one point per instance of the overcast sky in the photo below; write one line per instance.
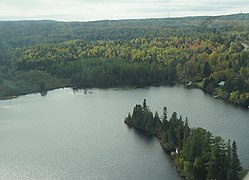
(88, 10)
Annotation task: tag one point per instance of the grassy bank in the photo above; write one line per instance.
(13, 84)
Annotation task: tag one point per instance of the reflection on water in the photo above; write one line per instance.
(143, 135)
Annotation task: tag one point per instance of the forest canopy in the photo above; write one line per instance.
(209, 52)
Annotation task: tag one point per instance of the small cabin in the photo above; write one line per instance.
(189, 84)
(222, 83)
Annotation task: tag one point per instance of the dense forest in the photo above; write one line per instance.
(206, 52)
(196, 153)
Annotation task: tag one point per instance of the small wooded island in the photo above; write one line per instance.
(196, 153)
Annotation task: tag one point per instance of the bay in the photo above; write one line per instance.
(72, 135)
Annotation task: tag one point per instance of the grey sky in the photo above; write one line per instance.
(85, 10)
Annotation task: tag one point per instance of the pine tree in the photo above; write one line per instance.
(144, 104)
(128, 120)
(216, 164)
(186, 130)
(229, 159)
(235, 163)
(137, 116)
(206, 69)
(165, 118)
(158, 123)
(156, 118)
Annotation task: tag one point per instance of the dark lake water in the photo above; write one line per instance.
(72, 135)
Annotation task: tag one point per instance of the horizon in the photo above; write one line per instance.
(99, 20)
(96, 10)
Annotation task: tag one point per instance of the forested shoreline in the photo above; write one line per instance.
(204, 52)
(196, 152)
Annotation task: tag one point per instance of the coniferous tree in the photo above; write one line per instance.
(144, 104)
(137, 116)
(165, 118)
(158, 123)
(206, 70)
(128, 120)
(235, 163)
(216, 164)
(229, 160)
(186, 130)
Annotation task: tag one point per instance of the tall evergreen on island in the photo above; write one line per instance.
(196, 153)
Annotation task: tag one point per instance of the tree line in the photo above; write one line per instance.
(205, 59)
(201, 50)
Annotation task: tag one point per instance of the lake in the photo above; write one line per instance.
(72, 135)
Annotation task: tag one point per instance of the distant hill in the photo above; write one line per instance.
(23, 33)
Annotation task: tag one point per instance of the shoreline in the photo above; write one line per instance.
(132, 86)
